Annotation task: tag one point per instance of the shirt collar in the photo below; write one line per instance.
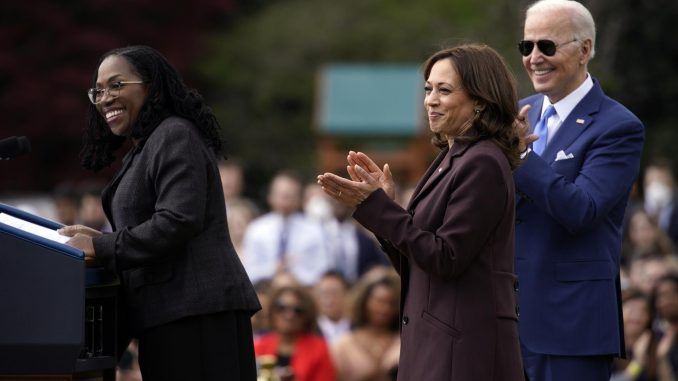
(565, 106)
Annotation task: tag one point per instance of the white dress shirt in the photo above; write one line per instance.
(342, 245)
(332, 330)
(305, 256)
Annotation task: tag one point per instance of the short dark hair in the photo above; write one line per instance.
(338, 275)
(167, 95)
(485, 77)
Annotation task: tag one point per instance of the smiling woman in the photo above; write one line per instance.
(187, 300)
(453, 244)
(114, 99)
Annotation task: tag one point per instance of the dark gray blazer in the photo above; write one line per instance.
(170, 243)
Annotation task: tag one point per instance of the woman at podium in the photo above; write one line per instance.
(186, 296)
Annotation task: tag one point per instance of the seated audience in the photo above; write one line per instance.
(660, 197)
(330, 294)
(284, 240)
(645, 238)
(666, 304)
(641, 344)
(301, 354)
(370, 352)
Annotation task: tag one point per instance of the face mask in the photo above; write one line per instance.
(657, 196)
(319, 208)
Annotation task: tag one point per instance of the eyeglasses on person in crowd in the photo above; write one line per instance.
(95, 95)
(547, 47)
(281, 307)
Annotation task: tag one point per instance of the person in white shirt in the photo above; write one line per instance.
(330, 294)
(284, 240)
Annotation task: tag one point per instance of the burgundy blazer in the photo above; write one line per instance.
(454, 249)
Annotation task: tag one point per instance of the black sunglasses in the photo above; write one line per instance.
(280, 307)
(547, 47)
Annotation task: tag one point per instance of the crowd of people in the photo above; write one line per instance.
(536, 206)
(649, 276)
(338, 292)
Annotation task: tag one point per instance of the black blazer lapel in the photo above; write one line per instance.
(109, 190)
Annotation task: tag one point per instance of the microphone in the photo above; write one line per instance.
(13, 147)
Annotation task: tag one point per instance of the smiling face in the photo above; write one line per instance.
(448, 106)
(558, 75)
(121, 112)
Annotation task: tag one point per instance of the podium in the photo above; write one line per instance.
(59, 317)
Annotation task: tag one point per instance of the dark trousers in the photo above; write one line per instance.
(206, 347)
(543, 367)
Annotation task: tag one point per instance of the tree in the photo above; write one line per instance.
(48, 51)
(263, 70)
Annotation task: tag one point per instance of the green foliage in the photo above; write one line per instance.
(262, 73)
(636, 62)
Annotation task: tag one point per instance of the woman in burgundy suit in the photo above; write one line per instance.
(453, 244)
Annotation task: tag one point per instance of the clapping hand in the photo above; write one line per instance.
(527, 138)
(384, 177)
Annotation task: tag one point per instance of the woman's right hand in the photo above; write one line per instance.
(384, 177)
(72, 230)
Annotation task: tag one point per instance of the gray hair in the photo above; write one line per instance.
(583, 26)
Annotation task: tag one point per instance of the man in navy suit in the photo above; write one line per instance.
(573, 189)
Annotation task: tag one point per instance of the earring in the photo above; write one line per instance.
(477, 111)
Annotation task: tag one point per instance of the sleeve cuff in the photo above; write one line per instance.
(104, 249)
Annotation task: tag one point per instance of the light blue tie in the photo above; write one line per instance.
(542, 130)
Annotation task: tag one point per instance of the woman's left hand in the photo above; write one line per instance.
(72, 230)
(83, 242)
(81, 238)
(346, 191)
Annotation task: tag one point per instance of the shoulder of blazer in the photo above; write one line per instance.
(171, 128)
(484, 148)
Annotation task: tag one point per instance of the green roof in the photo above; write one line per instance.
(370, 100)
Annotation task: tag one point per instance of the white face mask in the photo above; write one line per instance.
(319, 208)
(657, 196)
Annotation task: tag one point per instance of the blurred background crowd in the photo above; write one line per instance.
(323, 280)
(331, 299)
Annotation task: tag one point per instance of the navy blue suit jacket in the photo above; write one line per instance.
(569, 227)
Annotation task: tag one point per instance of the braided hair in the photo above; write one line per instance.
(167, 95)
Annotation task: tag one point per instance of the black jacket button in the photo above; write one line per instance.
(405, 320)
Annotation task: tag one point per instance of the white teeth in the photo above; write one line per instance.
(542, 72)
(113, 113)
